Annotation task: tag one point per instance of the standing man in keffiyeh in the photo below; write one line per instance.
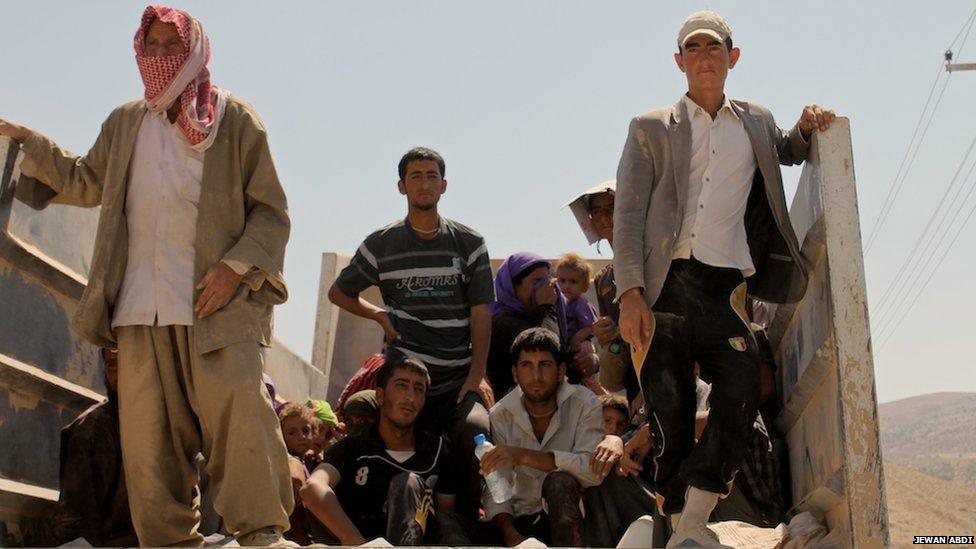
(186, 268)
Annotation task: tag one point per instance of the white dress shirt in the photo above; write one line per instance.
(723, 165)
(573, 433)
(161, 217)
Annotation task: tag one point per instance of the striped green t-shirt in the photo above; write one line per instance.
(428, 287)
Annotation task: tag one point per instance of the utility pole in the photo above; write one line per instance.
(956, 67)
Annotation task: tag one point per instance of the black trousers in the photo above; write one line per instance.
(411, 519)
(460, 423)
(700, 318)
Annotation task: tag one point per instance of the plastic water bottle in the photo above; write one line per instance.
(499, 481)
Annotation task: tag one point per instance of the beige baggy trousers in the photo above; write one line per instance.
(173, 403)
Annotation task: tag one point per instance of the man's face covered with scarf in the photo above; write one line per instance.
(172, 53)
(163, 40)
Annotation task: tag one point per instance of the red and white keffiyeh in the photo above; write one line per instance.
(184, 77)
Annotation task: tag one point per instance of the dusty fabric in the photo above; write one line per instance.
(174, 403)
(652, 186)
(700, 319)
(161, 216)
(184, 77)
(242, 216)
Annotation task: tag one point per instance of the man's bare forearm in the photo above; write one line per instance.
(480, 340)
(541, 461)
(325, 505)
(355, 305)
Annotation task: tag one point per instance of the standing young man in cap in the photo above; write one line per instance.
(186, 268)
(700, 221)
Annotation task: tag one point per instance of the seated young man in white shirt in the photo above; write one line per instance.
(546, 430)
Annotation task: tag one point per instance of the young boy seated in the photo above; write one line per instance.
(612, 506)
(573, 275)
(616, 414)
(380, 482)
(545, 430)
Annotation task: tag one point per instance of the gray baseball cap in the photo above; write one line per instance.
(704, 22)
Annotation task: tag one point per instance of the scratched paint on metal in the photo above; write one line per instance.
(831, 393)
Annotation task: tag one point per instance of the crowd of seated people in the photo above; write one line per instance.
(537, 368)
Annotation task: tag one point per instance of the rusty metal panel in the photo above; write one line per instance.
(826, 367)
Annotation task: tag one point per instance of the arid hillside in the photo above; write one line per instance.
(933, 434)
(920, 505)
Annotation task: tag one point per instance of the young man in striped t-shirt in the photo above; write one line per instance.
(435, 279)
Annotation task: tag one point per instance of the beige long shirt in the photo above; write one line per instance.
(573, 433)
(242, 216)
(721, 174)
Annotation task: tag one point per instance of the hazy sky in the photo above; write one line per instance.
(529, 102)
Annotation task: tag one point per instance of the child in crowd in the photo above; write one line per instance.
(361, 411)
(297, 430)
(573, 275)
(325, 430)
(616, 414)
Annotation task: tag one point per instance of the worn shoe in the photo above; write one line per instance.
(696, 536)
(265, 537)
(637, 534)
(376, 542)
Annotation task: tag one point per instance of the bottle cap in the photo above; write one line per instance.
(479, 439)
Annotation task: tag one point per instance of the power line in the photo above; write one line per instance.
(910, 262)
(902, 174)
(929, 252)
(932, 273)
(895, 187)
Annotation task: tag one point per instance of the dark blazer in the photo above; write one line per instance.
(652, 187)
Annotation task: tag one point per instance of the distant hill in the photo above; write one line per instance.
(933, 434)
(922, 505)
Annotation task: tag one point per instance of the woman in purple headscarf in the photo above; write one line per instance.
(526, 297)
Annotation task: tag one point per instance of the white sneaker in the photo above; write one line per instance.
(265, 537)
(376, 542)
(638, 534)
(696, 536)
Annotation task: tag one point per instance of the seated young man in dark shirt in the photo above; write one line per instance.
(387, 480)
